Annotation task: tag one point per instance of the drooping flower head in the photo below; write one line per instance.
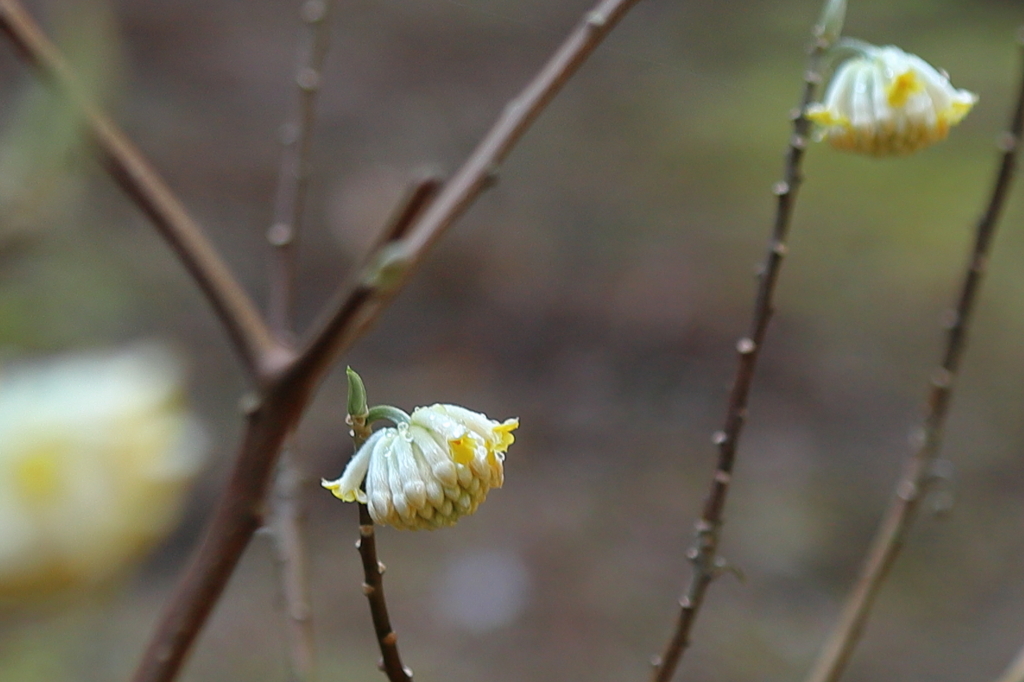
(430, 471)
(886, 102)
(96, 451)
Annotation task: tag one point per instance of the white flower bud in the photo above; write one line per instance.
(886, 102)
(428, 472)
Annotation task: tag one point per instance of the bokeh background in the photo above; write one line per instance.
(596, 293)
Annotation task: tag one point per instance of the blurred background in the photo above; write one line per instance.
(596, 293)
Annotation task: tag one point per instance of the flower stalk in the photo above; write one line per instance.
(703, 555)
(373, 570)
(918, 477)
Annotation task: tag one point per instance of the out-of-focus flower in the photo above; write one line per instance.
(430, 471)
(886, 102)
(95, 453)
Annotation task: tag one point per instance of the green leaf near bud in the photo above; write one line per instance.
(830, 25)
(356, 394)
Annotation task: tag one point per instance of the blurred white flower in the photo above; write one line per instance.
(95, 453)
(886, 102)
(428, 472)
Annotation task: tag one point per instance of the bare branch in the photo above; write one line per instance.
(373, 588)
(286, 513)
(286, 523)
(286, 393)
(373, 570)
(236, 311)
(1015, 673)
(297, 135)
(918, 478)
(479, 171)
(704, 553)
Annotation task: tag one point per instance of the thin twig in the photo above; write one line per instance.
(373, 570)
(918, 476)
(297, 135)
(373, 588)
(421, 191)
(704, 553)
(285, 395)
(476, 174)
(245, 327)
(286, 523)
(1015, 673)
(286, 513)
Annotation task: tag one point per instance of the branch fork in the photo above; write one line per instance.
(284, 378)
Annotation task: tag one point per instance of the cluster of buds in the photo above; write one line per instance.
(428, 470)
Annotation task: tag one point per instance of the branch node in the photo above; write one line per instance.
(950, 319)
(597, 19)
(703, 526)
(280, 234)
(907, 491)
(1007, 142)
(288, 133)
(249, 403)
(942, 378)
(313, 11)
(308, 79)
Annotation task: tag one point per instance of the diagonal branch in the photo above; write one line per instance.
(1015, 673)
(245, 327)
(704, 553)
(287, 391)
(918, 476)
(477, 173)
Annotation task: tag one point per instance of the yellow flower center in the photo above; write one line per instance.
(503, 435)
(37, 476)
(905, 85)
(463, 449)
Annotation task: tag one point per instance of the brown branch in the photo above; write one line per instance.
(373, 587)
(373, 570)
(476, 174)
(297, 135)
(704, 553)
(245, 327)
(286, 523)
(286, 512)
(237, 516)
(1014, 673)
(287, 391)
(917, 478)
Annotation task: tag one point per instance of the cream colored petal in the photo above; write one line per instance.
(347, 486)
